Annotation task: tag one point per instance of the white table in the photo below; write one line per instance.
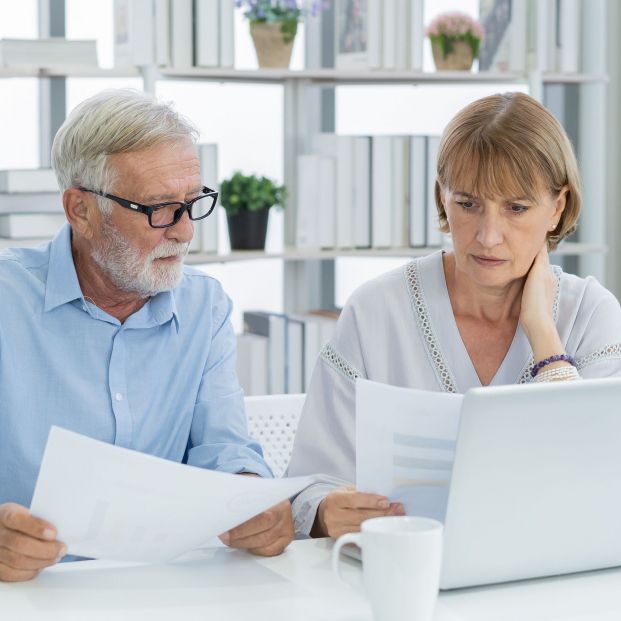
(227, 585)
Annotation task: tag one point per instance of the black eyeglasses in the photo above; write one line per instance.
(164, 215)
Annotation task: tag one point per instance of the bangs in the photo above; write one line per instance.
(487, 169)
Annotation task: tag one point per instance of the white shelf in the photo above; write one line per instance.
(339, 76)
(66, 71)
(280, 76)
(294, 254)
(573, 78)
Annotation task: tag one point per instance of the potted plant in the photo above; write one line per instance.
(273, 26)
(455, 39)
(247, 200)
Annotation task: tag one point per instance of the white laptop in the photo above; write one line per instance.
(536, 481)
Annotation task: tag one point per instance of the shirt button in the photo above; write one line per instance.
(118, 396)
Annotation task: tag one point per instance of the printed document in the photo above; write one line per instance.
(405, 445)
(113, 503)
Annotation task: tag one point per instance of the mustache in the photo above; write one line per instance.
(169, 249)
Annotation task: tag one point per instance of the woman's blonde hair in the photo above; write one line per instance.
(508, 145)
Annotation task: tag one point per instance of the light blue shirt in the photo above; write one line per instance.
(162, 383)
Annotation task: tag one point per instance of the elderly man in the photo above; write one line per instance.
(104, 332)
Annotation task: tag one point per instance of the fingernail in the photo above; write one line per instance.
(226, 538)
(48, 533)
(383, 504)
(63, 551)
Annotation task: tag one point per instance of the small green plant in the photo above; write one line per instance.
(250, 193)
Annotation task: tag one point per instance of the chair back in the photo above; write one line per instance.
(272, 421)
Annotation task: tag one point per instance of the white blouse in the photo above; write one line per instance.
(400, 329)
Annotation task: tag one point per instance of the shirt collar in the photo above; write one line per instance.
(62, 281)
(160, 309)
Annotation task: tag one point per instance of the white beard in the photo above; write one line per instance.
(122, 263)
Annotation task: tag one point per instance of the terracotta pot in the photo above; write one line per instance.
(460, 59)
(272, 51)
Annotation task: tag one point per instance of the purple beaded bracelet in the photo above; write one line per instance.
(546, 361)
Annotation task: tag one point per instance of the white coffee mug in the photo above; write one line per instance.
(401, 559)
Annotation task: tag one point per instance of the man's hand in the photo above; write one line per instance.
(266, 534)
(343, 510)
(27, 544)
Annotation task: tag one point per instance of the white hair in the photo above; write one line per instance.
(113, 121)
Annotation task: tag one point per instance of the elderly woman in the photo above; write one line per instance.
(491, 311)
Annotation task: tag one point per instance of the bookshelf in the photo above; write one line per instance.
(315, 76)
(309, 107)
(295, 254)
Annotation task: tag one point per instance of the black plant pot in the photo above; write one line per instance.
(247, 229)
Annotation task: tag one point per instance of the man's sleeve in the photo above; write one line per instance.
(219, 437)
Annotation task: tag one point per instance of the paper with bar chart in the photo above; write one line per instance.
(405, 445)
(113, 503)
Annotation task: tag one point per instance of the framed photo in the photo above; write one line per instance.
(351, 43)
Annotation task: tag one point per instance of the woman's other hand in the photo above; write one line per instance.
(536, 312)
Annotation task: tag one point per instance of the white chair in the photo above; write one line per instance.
(272, 421)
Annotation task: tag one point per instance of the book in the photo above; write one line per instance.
(134, 26)
(30, 202)
(341, 148)
(48, 52)
(161, 17)
(362, 192)
(518, 36)
(434, 236)
(274, 327)
(28, 180)
(181, 34)
(206, 33)
(401, 34)
(227, 33)
(569, 36)
(316, 208)
(389, 39)
(24, 226)
(381, 191)
(400, 192)
(417, 34)
(295, 355)
(308, 202)
(325, 207)
(252, 363)
(208, 227)
(418, 191)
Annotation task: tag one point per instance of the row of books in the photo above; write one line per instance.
(561, 22)
(31, 205)
(379, 34)
(367, 192)
(174, 33)
(277, 352)
(520, 35)
(49, 52)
